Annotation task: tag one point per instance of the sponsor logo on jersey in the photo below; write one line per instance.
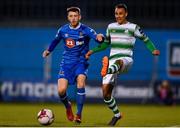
(79, 42)
(81, 35)
(70, 43)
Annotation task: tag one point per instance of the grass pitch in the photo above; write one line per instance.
(22, 114)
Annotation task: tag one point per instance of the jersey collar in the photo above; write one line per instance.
(76, 27)
(123, 24)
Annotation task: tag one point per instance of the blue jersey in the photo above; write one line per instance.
(76, 45)
(76, 42)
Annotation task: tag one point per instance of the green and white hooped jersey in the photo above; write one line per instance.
(122, 39)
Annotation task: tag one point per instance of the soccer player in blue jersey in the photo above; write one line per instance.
(74, 65)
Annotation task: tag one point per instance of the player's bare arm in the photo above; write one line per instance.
(100, 38)
(88, 54)
(99, 48)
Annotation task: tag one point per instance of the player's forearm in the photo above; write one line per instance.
(149, 44)
(101, 47)
(53, 45)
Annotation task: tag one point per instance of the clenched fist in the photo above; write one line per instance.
(46, 53)
(156, 52)
(100, 37)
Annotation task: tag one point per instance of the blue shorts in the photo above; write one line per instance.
(71, 71)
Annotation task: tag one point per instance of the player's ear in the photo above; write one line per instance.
(80, 17)
(68, 17)
(126, 14)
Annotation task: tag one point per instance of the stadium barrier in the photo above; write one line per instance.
(126, 92)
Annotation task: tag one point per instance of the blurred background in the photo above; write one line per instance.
(27, 27)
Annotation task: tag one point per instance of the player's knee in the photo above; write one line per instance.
(80, 83)
(61, 90)
(120, 62)
(107, 90)
(106, 95)
(62, 86)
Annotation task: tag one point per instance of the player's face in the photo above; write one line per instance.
(74, 18)
(120, 15)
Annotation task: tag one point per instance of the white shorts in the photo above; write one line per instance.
(112, 78)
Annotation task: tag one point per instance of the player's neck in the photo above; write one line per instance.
(124, 22)
(74, 26)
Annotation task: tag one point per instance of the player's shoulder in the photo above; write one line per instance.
(87, 29)
(83, 26)
(131, 25)
(114, 24)
(128, 24)
(65, 26)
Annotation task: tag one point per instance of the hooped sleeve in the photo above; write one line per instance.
(141, 35)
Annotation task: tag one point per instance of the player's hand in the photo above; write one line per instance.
(46, 53)
(156, 52)
(100, 37)
(88, 54)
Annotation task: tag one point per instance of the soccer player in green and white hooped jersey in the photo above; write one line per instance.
(121, 37)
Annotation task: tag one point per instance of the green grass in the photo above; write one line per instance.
(21, 114)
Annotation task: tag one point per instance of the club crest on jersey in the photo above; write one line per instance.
(70, 43)
(80, 34)
(126, 31)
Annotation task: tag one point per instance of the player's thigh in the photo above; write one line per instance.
(81, 73)
(62, 85)
(81, 78)
(127, 63)
(110, 79)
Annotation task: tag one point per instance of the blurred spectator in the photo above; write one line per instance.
(165, 94)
